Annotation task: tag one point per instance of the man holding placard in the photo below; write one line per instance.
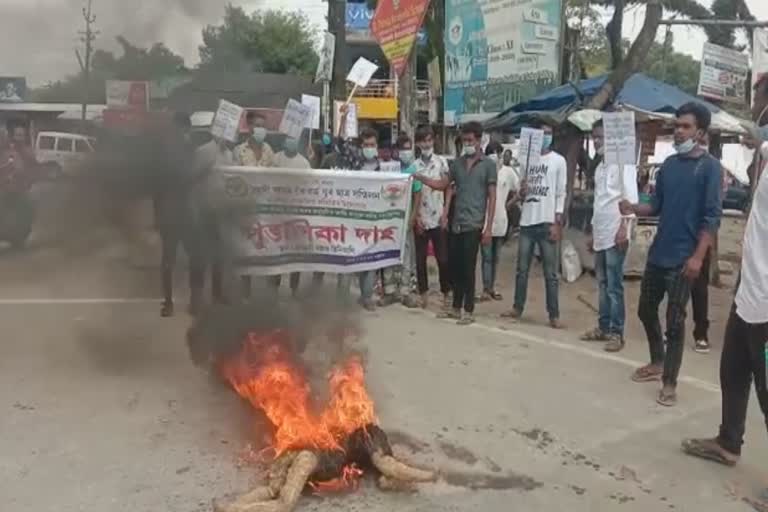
(255, 152)
(542, 192)
(614, 181)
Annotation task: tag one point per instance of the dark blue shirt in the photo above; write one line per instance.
(688, 201)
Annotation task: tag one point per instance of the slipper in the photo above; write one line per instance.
(449, 315)
(466, 320)
(666, 399)
(648, 373)
(497, 296)
(708, 449)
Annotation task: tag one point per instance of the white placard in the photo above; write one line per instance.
(361, 72)
(226, 124)
(351, 130)
(529, 153)
(295, 117)
(313, 102)
(325, 64)
(535, 15)
(620, 139)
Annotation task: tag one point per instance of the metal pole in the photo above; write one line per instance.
(715, 22)
(337, 12)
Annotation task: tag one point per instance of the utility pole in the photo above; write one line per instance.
(87, 36)
(407, 95)
(337, 19)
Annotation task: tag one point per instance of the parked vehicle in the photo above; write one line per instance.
(65, 151)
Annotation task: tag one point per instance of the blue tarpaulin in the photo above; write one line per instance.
(640, 92)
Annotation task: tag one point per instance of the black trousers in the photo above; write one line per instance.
(700, 302)
(658, 282)
(439, 243)
(743, 360)
(463, 254)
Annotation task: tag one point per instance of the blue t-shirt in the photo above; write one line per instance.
(688, 201)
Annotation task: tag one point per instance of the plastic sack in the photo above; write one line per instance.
(571, 262)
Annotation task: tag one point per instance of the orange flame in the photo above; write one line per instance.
(268, 376)
(349, 479)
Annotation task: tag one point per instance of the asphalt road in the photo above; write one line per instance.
(101, 408)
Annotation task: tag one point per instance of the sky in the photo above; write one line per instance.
(43, 33)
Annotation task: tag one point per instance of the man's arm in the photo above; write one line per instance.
(710, 221)
(434, 183)
(626, 207)
(490, 211)
(448, 199)
(560, 192)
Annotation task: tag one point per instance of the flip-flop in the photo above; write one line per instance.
(645, 374)
(449, 315)
(703, 449)
(666, 399)
(497, 296)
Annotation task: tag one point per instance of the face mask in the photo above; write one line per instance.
(426, 153)
(327, 140)
(406, 156)
(469, 151)
(291, 145)
(546, 142)
(494, 157)
(685, 147)
(259, 134)
(370, 153)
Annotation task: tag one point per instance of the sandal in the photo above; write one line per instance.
(648, 373)
(709, 449)
(485, 297)
(667, 398)
(453, 314)
(497, 296)
(595, 334)
(467, 319)
(615, 343)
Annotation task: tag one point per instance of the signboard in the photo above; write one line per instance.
(529, 152)
(498, 54)
(395, 26)
(361, 72)
(620, 138)
(325, 63)
(127, 95)
(313, 102)
(226, 124)
(723, 74)
(295, 220)
(295, 117)
(358, 18)
(13, 89)
(351, 130)
(760, 54)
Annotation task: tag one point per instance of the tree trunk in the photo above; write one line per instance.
(613, 30)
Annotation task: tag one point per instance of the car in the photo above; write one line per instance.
(65, 152)
(736, 197)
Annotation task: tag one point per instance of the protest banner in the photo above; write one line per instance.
(325, 63)
(313, 102)
(361, 72)
(395, 26)
(226, 124)
(351, 128)
(723, 74)
(295, 117)
(299, 220)
(620, 138)
(529, 153)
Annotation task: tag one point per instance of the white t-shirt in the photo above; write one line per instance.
(609, 191)
(432, 201)
(296, 161)
(508, 181)
(752, 296)
(545, 195)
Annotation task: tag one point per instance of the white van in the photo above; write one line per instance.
(66, 150)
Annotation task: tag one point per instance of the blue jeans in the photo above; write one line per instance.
(366, 280)
(490, 254)
(530, 237)
(609, 268)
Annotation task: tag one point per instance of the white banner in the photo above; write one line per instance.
(723, 74)
(760, 55)
(291, 220)
(531, 142)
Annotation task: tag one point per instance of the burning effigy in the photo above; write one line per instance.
(321, 445)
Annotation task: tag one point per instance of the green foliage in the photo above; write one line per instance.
(268, 41)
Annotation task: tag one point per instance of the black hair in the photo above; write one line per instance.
(538, 124)
(597, 124)
(474, 128)
(494, 148)
(368, 133)
(402, 140)
(701, 113)
(422, 132)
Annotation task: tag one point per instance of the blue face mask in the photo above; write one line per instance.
(370, 153)
(685, 147)
(546, 142)
(406, 156)
(291, 145)
(327, 140)
(259, 134)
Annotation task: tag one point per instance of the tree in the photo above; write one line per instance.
(268, 41)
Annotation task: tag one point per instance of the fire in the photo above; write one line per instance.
(349, 479)
(267, 374)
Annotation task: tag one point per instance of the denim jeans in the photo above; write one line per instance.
(366, 281)
(609, 268)
(490, 254)
(530, 237)
(396, 280)
(658, 282)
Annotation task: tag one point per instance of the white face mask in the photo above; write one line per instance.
(685, 147)
(469, 150)
(426, 152)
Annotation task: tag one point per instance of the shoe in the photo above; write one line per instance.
(595, 334)
(167, 310)
(615, 343)
(410, 301)
(467, 319)
(450, 314)
(701, 346)
(485, 297)
(555, 323)
(513, 315)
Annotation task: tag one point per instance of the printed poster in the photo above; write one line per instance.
(723, 74)
(395, 26)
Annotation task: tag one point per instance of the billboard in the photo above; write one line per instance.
(498, 54)
(723, 74)
(127, 95)
(395, 26)
(13, 89)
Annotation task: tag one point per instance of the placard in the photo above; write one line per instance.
(295, 117)
(620, 138)
(226, 124)
(313, 102)
(529, 153)
(352, 124)
(723, 74)
(361, 72)
(327, 53)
